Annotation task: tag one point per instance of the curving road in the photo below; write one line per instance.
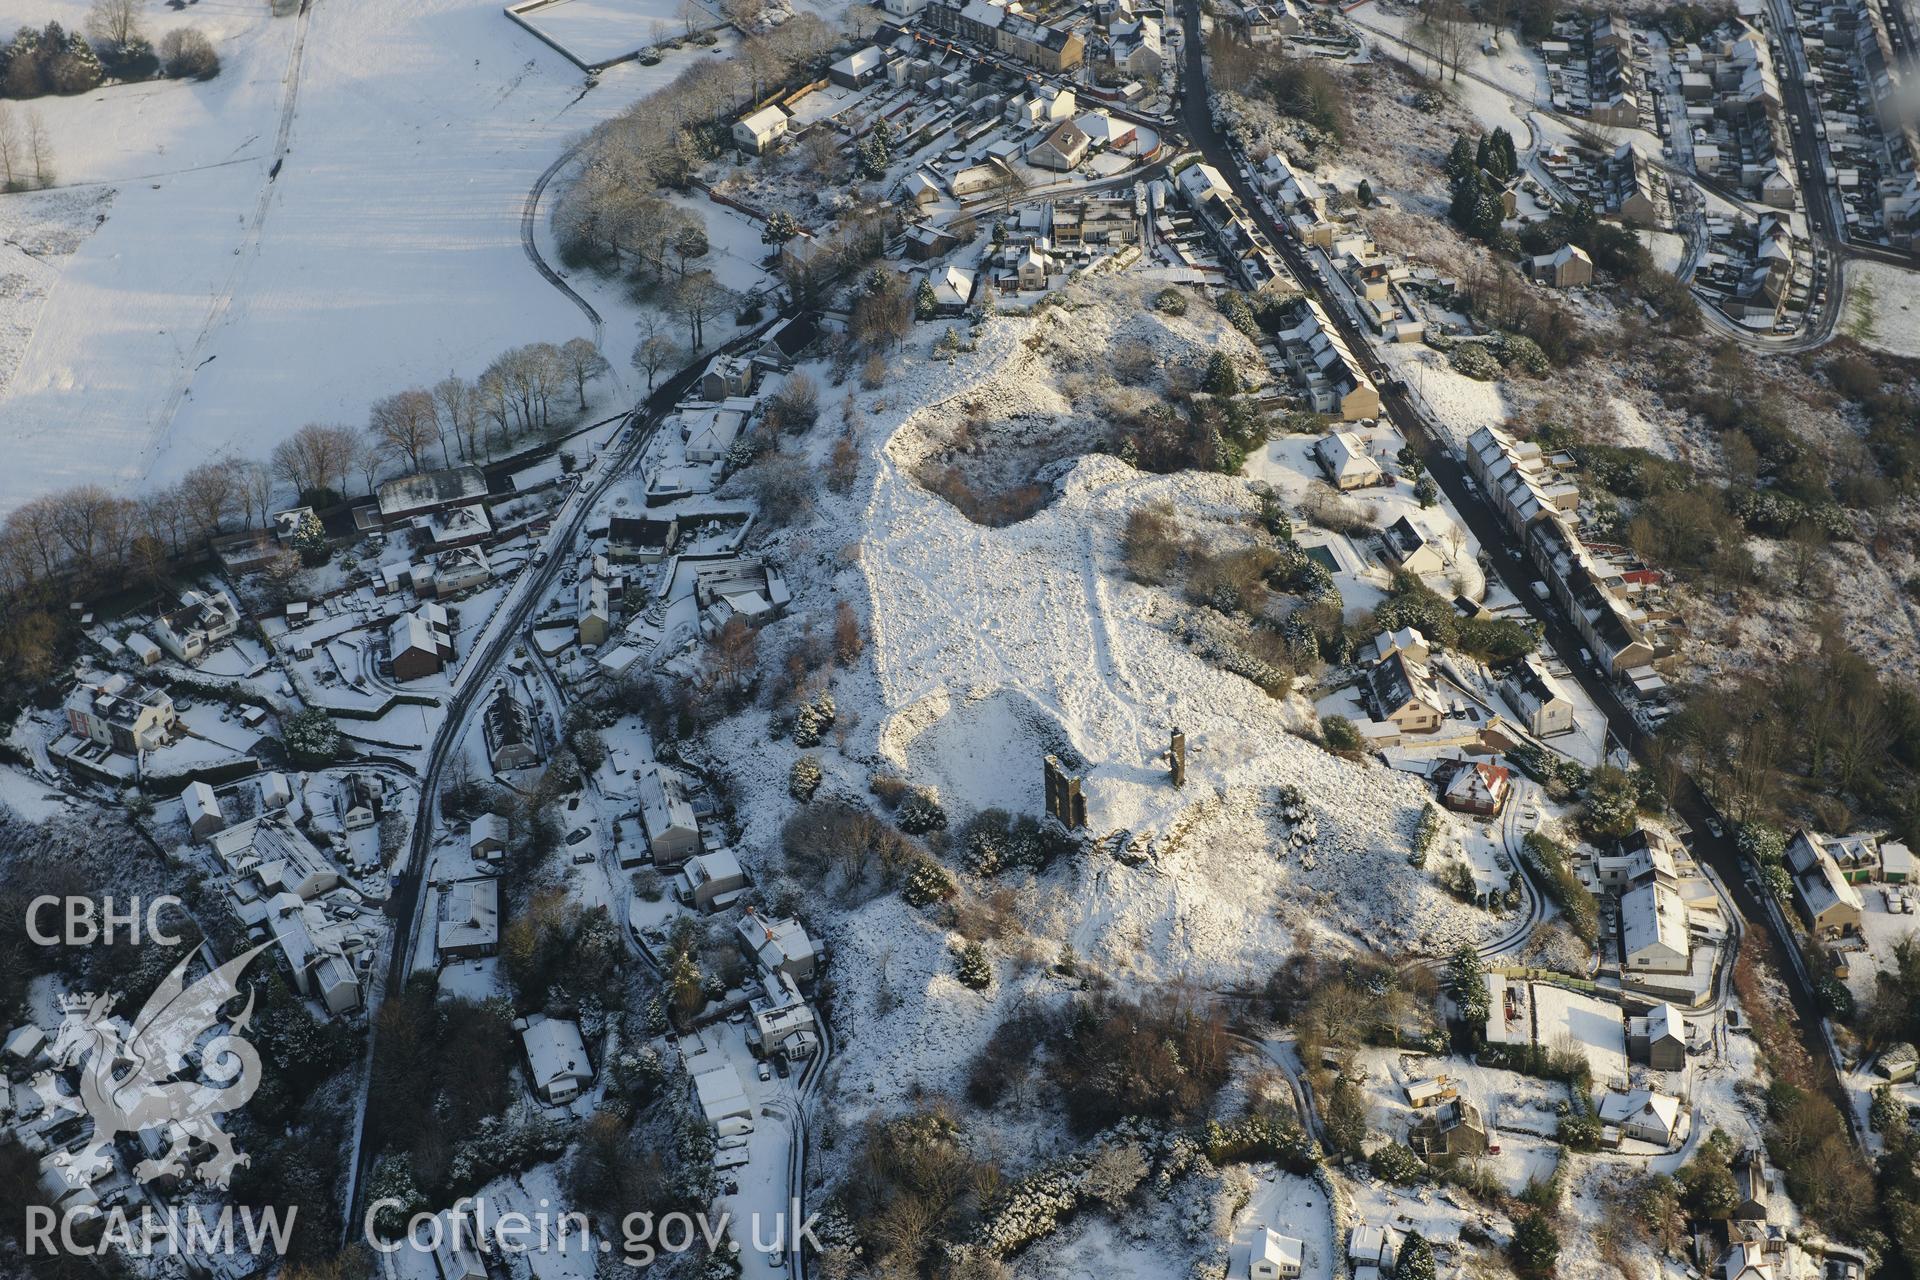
(1820, 329)
(529, 242)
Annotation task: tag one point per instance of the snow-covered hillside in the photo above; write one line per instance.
(990, 647)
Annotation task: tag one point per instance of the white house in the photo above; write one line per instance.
(952, 287)
(454, 1255)
(1409, 641)
(783, 1024)
(556, 1058)
(760, 129)
(463, 567)
(720, 1094)
(666, 815)
(1371, 1246)
(1538, 698)
(1645, 1116)
(710, 880)
(778, 945)
(1274, 1256)
(276, 792)
(202, 809)
(1344, 458)
(487, 836)
(203, 620)
(1653, 930)
(469, 923)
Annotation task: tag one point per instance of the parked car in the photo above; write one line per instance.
(766, 1072)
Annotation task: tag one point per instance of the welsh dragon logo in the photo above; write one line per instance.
(160, 1075)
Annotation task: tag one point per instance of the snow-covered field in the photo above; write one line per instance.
(597, 31)
(217, 308)
(1883, 307)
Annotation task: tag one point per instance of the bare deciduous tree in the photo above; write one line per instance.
(210, 493)
(256, 491)
(459, 414)
(316, 458)
(407, 423)
(12, 152)
(698, 299)
(369, 459)
(583, 363)
(656, 348)
(39, 148)
(115, 23)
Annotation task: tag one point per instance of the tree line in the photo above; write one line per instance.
(86, 538)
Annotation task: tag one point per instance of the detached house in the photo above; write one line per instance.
(1658, 1039)
(460, 569)
(469, 923)
(1063, 148)
(595, 616)
(513, 741)
(1407, 640)
(645, 539)
(712, 880)
(1344, 459)
(1645, 1115)
(202, 809)
(1753, 1184)
(667, 818)
(1827, 903)
(121, 715)
(1412, 549)
(557, 1061)
(1479, 789)
(203, 620)
(420, 642)
(1402, 694)
(1274, 1256)
(1454, 1128)
(1538, 698)
(756, 132)
(1653, 930)
(1565, 268)
(777, 945)
(858, 70)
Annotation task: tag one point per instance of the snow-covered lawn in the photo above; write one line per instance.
(1458, 404)
(1293, 1206)
(218, 307)
(1594, 1027)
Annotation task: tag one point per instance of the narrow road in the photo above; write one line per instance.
(529, 227)
(1509, 564)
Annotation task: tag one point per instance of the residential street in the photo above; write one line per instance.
(1507, 562)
